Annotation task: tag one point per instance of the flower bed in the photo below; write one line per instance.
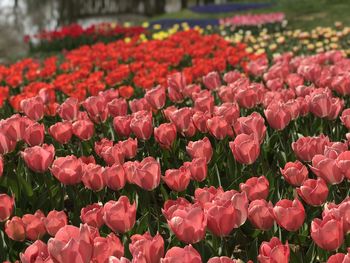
(183, 149)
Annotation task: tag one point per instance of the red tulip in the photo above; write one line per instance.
(165, 134)
(118, 107)
(156, 97)
(129, 147)
(105, 247)
(96, 106)
(198, 168)
(289, 214)
(200, 148)
(327, 169)
(176, 83)
(121, 125)
(6, 207)
(6, 144)
(33, 108)
(147, 174)
(232, 76)
(1, 166)
(15, 229)
(247, 97)
(39, 158)
(34, 225)
(260, 214)
(187, 221)
(274, 251)
(141, 125)
(148, 247)
(230, 111)
(199, 120)
(113, 155)
(256, 188)
(54, 221)
(188, 254)
(92, 177)
(334, 149)
(69, 109)
(139, 105)
(320, 104)
(345, 118)
(339, 258)
(120, 215)
(114, 177)
(118, 260)
(341, 210)
(36, 252)
(212, 80)
(34, 134)
(305, 148)
(83, 129)
(61, 131)
(182, 118)
(327, 233)
(72, 244)
(314, 192)
(219, 128)
(204, 103)
(252, 124)
(177, 179)
(343, 162)
(92, 215)
(245, 148)
(295, 173)
(68, 170)
(277, 116)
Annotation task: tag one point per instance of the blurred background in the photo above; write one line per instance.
(21, 18)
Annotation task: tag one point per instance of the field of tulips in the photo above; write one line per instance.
(188, 149)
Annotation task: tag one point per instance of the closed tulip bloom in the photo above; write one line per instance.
(96, 107)
(61, 131)
(165, 134)
(14, 127)
(305, 148)
(121, 125)
(151, 248)
(187, 254)
(139, 105)
(277, 116)
(199, 120)
(252, 124)
(339, 258)
(198, 168)
(247, 97)
(336, 108)
(34, 225)
(341, 210)
(245, 148)
(102, 145)
(33, 108)
(6, 207)
(118, 260)
(345, 118)
(83, 129)
(182, 118)
(177, 179)
(92, 177)
(54, 221)
(327, 169)
(36, 252)
(129, 147)
(156, 97)
(15, 229)
(327, 233)
(187, 221)
(204, 103)
(68, 170)
(212, 80)
(232, 76)
(200, 148)
(260, 214)
(1, 166)
(219, 128)
(113, 155)
(176, 83)
(105, 247)
(142, 127)
(222, 260)
(256, 188)
(274, 252)
(343, 162)
(6, 144)
(289, 214)
(335, 149)
(314, 192)
(92, 215)
(118, 107)
(120, 216)
(114, 177)
(69, 109)
(295, 173)
(320, 104)
(34, 134)
(147, 174)
(72, 244)
(229, 111)
(39, 158)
